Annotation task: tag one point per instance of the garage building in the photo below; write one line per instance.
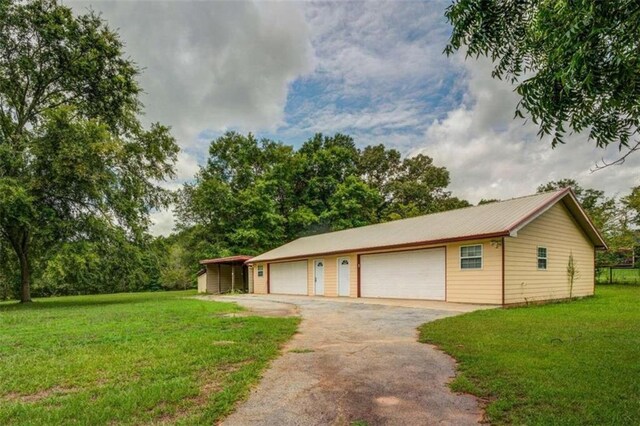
(225, 275)
(508, 252)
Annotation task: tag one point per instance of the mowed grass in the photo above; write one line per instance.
(569, 363)
(130, 359)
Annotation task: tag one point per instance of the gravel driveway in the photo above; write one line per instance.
(353, 362)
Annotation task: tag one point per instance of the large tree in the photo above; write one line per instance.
(253, 195)
(575, 63)
(74, 157)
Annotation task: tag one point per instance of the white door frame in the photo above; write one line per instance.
(348, 278)
(318, 285)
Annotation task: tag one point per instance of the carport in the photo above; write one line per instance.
(224, 275)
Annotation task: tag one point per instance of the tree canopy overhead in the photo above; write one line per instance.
(576, 63)
(74, 157)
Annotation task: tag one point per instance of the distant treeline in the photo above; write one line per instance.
(256, 194)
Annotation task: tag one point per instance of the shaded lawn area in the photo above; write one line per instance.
(130, 359)
(563, 363)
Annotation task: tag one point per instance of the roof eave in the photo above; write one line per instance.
(230, 259)
(586, 223)
(385, 247)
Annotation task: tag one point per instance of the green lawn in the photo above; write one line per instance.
(130, 359)
(622, 276)
(563, 363)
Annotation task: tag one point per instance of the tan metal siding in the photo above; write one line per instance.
(559, 233)
(475, 285)
(202, 283)
(472, 286)
(465, 286)
(330, 275)
(310, 288)
(353, 275)
(212, 279)
(225, 278)
(260, 283)
(237, 279)
(250, 269)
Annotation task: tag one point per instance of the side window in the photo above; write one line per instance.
(260, 270)
(542, 258)
(471, 257)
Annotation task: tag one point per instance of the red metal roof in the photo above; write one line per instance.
(230, 259)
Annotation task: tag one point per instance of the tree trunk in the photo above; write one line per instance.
(20, 243)
(25, 274)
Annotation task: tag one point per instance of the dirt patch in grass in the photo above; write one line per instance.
(232, 367)
(223, 343)
(38, 396)
(211, 384)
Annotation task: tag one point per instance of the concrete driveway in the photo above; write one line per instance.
(355, 361)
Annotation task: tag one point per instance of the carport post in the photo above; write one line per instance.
(233, 278)
(219, 287)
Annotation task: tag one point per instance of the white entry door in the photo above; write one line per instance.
(318, 266)
(417, 274)
(344, 276)
(288, 277)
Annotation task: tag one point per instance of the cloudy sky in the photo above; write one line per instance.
(374, 70)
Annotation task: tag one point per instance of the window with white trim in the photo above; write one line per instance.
(260, 270)
(471, 257)
(542, 258)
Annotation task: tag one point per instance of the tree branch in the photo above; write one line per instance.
(604, 163)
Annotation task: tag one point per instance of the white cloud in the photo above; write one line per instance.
(379, 69)
(162, 222)
(374, 70)
(209, 64)
(492, 155)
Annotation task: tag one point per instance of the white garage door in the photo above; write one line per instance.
(417, 274)
(288, 278)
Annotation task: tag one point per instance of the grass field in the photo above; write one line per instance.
(570, 363)
(621, 276)
(130, 359)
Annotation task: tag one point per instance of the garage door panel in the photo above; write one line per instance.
(288, 277)
(418, 274)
